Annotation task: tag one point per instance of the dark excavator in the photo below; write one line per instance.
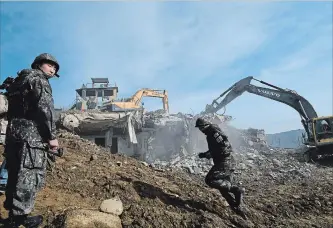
(319, 134)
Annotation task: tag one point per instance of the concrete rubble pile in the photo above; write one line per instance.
(173, 136)
(172, 141)
(254, 159)
(168, 135)
(148, 136)
(82, 145)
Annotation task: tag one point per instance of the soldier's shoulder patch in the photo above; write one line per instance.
(218, 137)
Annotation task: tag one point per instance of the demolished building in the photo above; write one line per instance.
(105, 129)
(148, 136)
(133, 131)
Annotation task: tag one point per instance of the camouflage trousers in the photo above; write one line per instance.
(220, 177)
(26, 165)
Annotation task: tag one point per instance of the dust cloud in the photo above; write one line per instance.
(178, 138)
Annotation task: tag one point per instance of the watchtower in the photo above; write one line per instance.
(91, 97)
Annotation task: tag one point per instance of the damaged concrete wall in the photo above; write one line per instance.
(117, 129)
(148, 136)
(167, 136)
(169, 143)
(154, 135)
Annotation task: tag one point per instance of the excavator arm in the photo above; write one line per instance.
(288, 97)
(135, 100)
(285, 96)
(158, 93)
(318, 129)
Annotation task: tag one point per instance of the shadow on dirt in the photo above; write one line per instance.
(152, 192)
(58, 221)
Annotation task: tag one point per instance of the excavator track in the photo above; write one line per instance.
(310, 156)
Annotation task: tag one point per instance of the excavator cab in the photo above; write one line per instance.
(323, 130)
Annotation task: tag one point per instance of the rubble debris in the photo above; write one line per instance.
(166, 188)
(161, 138)
(146, 136)
(119, 163)
(93, 157)
(253, 158)
(169, 197)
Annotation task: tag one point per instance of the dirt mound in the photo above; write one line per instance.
(152, 197)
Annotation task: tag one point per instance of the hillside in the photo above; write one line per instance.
(287, 139)
(280, 190)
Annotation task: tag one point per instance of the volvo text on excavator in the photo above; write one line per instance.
(319, 130)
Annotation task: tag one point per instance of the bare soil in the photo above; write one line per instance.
(86, 175)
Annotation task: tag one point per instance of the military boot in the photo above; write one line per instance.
(239, 204)
(8, 223)
(240, 211)
(33, 221)
(239, 194)
(228, 197)
(28, 221)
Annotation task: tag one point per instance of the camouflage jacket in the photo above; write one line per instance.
(218, 145)
(30, 108)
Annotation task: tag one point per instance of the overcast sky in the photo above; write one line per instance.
(195, 50)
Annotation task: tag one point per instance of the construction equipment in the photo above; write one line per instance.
(134, 102)
(319, 139)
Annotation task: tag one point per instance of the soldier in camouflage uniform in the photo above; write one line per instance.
(220, 176)
(31, 131)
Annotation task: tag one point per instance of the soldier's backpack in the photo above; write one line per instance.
(3, 96)
(14, 89)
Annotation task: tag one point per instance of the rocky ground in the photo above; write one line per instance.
(281, 191)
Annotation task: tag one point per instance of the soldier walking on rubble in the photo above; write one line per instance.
(30, 133)
(220, 175)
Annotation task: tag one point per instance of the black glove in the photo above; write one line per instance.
(202, 155)
(208, 155)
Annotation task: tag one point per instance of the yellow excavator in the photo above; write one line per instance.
(134, 102)
(319, 130)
